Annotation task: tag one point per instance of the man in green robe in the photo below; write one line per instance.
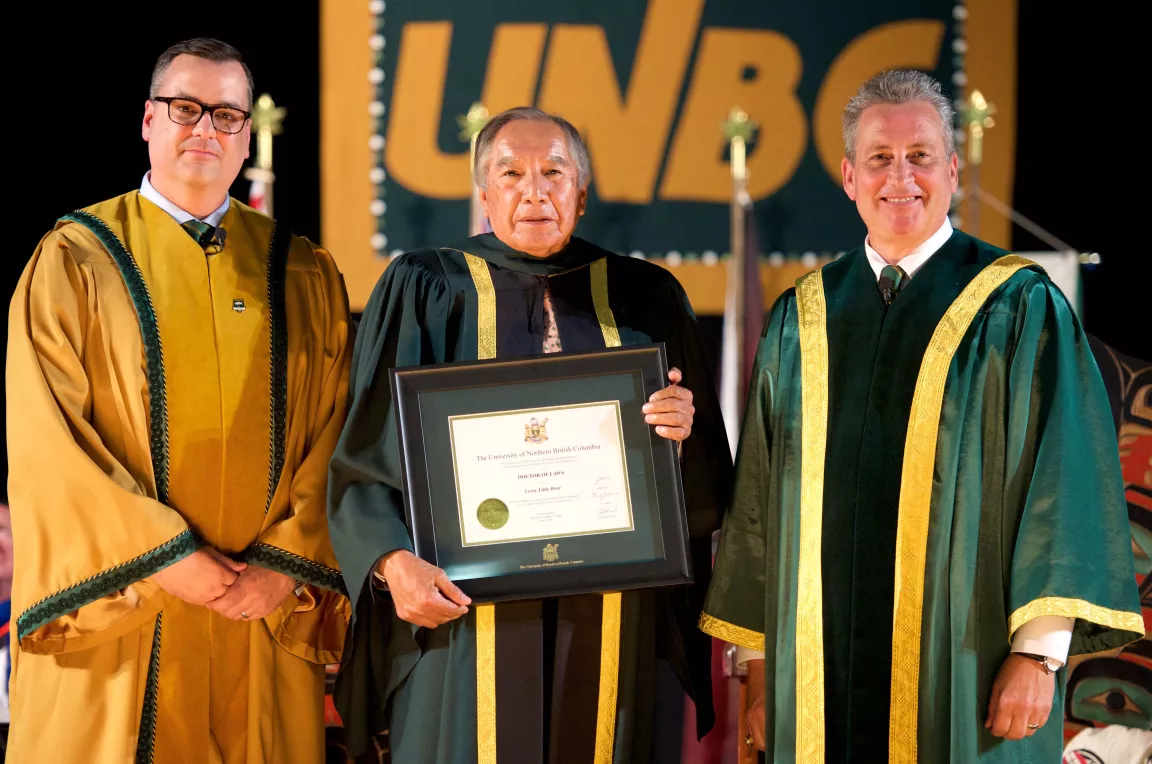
(536, 678)
(928, 515)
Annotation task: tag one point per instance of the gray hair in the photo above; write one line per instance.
(894, 87)
(201, 47)
(487, 137)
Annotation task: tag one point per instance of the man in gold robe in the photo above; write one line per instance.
(177, 376)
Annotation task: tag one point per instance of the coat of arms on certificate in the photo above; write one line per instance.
(550, 552)
(536, 431)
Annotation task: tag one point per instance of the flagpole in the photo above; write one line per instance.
(471, 124)
(738, 129)
(267, 119)
(976, 116)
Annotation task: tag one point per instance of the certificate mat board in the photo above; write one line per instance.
(538, 477)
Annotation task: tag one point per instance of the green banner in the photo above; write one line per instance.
(649, 85)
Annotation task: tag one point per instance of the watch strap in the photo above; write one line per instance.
(1043, 660)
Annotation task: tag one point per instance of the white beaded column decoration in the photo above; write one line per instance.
(960, 85)
(376, 109)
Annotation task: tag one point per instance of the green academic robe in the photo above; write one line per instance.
(915, 482)
(442, 305)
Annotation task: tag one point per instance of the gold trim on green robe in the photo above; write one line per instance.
(916, 502)
(134, 356)
(1019, 389)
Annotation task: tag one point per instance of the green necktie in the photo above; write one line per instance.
(200, 231)
(204, 235)
(892, 278)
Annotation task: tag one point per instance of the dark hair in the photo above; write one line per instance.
(201, 47)
(487, 137)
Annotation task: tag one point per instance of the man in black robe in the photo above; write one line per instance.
(528, 288)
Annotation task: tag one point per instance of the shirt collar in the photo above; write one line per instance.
(915, 259)
(179, 214)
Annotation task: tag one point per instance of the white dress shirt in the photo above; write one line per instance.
(5, 659)
(914, 260)
(1048, 635)
(181, 215)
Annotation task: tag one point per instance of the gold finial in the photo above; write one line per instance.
(738, 130)
(739, 125)
(473, 122)
(470, 126)
(266, 122)
(976, 115)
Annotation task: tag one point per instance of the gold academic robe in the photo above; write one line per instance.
(160, 399)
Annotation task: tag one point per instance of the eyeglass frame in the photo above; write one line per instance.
(204, 109)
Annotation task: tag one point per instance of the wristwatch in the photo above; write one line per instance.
(378, 580)
(1050, 667)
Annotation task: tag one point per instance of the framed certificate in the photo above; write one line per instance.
(538, 477)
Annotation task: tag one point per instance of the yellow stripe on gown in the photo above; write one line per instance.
(217, 363)
(226, 691)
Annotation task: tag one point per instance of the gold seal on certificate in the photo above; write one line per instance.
(558, 471)
(492, 514)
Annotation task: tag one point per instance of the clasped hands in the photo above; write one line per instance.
(422, 593)
(233, 589)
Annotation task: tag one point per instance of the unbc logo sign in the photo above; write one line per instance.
(649, 86)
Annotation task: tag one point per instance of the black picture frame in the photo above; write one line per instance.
(654, 553)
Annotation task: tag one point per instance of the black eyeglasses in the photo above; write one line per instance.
(186, 111)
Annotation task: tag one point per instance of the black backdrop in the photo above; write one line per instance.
(78, 77)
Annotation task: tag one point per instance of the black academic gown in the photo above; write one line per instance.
(421, 683)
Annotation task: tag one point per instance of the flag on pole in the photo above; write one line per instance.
(753, 302)
(743, 314)
(266, 123)
(743, 323)
(478, 221)
(730, 356)
(742, 297)
(260, 190)
(257, 198)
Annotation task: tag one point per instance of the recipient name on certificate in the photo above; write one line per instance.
(540, 473)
